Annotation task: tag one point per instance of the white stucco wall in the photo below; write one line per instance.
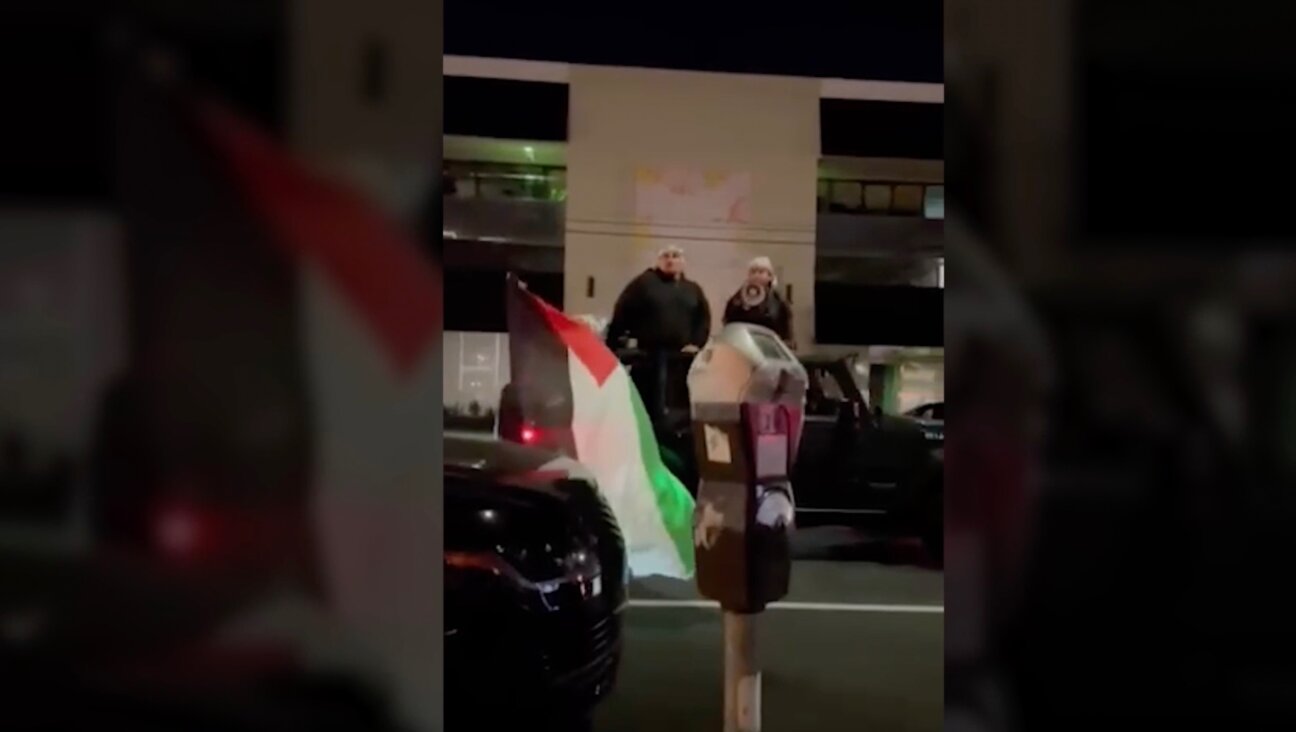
(623, 120)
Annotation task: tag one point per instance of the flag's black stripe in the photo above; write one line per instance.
(538, 367)
(215, 334)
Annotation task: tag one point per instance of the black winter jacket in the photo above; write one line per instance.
(774, 313)
(660, 312)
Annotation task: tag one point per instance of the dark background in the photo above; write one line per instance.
(866, 40)
(1134, 361)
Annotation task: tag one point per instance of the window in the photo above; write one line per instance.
(832, 389)
(825, 393)
(845, 196)
(463, 179)
(934, 202)
(504, 185)
(890, 270)
(881, 198)
(477, 368)
(908, 199)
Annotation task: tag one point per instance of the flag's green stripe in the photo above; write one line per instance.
(674, 502)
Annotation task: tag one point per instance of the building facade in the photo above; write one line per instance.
(574, 176)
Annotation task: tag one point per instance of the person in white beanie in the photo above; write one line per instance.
(758, 302)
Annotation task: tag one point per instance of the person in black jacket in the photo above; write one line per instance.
(665, 314)
(759, 303)
(661, 309)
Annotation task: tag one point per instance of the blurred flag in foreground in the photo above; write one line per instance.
(561, 367)
(369, 315)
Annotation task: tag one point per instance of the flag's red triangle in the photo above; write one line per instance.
(377, 266)
(597, 358)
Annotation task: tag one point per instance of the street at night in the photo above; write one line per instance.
(858, 643)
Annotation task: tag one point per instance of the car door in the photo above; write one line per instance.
(827, 417)
(867, 457)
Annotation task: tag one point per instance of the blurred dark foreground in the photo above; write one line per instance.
(1121, 328)
(219, 392)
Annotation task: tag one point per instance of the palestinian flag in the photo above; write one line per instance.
(287, 333)
(573, 387)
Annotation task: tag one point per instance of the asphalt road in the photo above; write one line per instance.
(861, 646)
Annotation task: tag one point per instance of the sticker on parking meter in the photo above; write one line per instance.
(717, 445)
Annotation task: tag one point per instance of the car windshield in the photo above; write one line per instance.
(860, 375)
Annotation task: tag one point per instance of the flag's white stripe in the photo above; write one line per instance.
(372, 468)
(607, 442)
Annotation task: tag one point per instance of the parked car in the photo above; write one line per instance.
(535, 582)
(856, 465)
(931, 417)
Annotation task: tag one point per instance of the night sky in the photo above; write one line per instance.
(899, 41)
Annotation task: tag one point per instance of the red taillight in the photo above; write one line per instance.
(470, 560)
(529, 435)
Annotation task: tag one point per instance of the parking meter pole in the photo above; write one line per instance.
(747, 393)
(742, 674)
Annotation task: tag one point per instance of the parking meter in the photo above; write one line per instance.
(747, 391)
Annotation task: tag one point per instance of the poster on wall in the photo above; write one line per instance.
(701, 211)
(678, 195)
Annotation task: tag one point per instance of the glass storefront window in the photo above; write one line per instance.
(845, 195)
(920, 383)
(476, 370)
(881, 198)
(464, 179)
(918, 270)
(823, 194)
(877, 198)
(907, 199)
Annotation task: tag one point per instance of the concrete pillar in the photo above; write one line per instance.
(629, 127)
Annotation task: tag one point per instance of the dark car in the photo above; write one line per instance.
(855, 465)
(178, 634)
(931, 417)
(535, 583)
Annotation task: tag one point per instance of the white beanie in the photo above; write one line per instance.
(765, 264)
